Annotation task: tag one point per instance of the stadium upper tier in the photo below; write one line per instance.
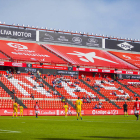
(55, 54)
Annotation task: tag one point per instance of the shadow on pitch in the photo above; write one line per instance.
(111, 137)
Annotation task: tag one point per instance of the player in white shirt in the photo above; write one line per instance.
(69, 111)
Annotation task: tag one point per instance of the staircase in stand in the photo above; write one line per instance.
(100, 93)
(58, 93)
(12, 95)
(128, 88)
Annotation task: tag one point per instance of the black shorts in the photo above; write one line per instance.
(125, 110)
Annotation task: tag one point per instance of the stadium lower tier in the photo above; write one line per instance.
(132, 84)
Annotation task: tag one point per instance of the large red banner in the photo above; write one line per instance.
(129, 57)
(28, 52)
(47, 112)
(89, 57)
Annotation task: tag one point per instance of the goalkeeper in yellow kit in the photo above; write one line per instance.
(78, 108)
(15, 108)
(21, 110)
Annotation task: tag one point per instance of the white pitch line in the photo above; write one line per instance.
(8, 131)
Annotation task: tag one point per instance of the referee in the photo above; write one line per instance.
(125, 109)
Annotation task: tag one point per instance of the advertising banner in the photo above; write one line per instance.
(127, 76)
(17, 33)
(49, 67)
(64, 72)
(12, 64)
(51, 112)
(69, 39)
(89, 57)
(106, 71)
(30, 52)
(129, 57)
(122, 45)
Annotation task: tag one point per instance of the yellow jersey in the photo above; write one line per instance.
(15, 105)
(78, 103)
(21, 108)
(66, 107)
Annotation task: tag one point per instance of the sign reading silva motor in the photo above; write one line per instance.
(122, 45)
(69, 39)
(17, 33)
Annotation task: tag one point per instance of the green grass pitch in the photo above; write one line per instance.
(112, 127)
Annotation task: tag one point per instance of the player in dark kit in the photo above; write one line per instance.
(137, 108)
(125, 109)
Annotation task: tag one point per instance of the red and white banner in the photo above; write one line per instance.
(106, 71)
(51, 112)
(129, 57)
(12, 64)
(89, 57)
(28, 52)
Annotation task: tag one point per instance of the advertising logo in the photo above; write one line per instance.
(17, 46)
(77, 40)
(88, 57)
(125, 46)
(127, 57)
(62, 39)
(92, 42)
(48, 37)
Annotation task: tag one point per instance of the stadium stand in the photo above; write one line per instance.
(132, 84)
(111, 89)
(29, 89)
(71, 88)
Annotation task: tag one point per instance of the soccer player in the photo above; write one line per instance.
(66, 109)
(21, 111)
(36, 107)
(78, 108)
(15, 108)
(125, 109)
(137, 107)
(69, 111)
